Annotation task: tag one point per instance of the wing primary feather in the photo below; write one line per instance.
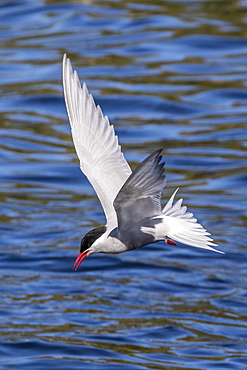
(96, 144)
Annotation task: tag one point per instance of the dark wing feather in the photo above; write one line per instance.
(139, 197)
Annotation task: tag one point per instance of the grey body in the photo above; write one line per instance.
(136, 205)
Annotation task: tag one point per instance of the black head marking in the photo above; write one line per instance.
(90, 238)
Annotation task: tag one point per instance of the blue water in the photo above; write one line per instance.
(169, 74)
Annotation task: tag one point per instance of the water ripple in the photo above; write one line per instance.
(168, 74)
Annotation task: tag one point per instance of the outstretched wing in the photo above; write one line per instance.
(96, 144)
(183, 227)
(139, 198)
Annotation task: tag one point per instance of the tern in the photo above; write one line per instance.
(131, 200)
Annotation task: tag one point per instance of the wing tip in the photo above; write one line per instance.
(213, 249)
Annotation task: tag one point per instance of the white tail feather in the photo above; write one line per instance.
(183, 227)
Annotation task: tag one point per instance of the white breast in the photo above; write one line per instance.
(108, 244)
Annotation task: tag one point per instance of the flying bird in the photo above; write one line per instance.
(131, 200)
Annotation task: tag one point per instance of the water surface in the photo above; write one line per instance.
(169, 74)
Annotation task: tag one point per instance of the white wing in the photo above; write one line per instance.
(183, 227)
(96, 144)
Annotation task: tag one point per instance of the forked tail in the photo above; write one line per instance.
(183, 227)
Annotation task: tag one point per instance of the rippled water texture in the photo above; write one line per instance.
(169, 74)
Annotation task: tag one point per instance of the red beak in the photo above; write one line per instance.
(79, 259)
